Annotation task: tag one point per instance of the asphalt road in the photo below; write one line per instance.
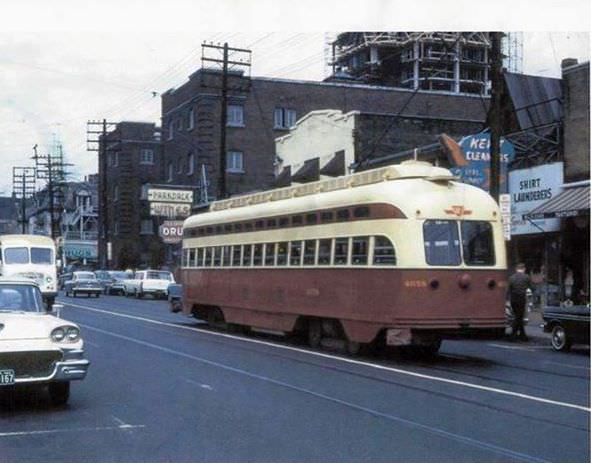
(164, 388)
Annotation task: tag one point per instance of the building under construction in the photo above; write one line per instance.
(455, 62)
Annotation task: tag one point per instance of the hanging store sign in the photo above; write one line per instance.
(530, 188)
(170, 210)
(79, 250)
(170, 196)
(476, 170)
(171, 231)
(505, 206)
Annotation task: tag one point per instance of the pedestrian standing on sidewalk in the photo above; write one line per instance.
(519, 283)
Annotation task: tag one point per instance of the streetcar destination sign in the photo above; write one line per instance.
(170, 196)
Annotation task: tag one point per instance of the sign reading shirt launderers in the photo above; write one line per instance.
(530, 188)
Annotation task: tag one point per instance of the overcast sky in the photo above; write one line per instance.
(62, 63)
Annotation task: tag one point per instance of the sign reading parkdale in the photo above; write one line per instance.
(170, 196)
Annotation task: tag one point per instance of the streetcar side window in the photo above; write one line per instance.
(226, 256)
(295, 256)
(270, 254)
(282, 253)
(309, 252)
(191, 261)
(442, 243)
(341, 251)
(477, 243)
(360, 250)
(383, 251)
(199, 257)
(208, 256)
(246, 255)
(185, 258)
(236, 255)
(324, 247)
(217, 256)
(257, 256)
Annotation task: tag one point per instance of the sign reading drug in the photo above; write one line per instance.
(529, 188)
(171, 231)
(170, 196)
(170, 210)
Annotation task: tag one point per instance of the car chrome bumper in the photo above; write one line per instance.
(73, 367)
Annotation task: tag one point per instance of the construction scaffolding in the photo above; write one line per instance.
(455, 62)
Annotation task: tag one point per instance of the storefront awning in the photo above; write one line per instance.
(572, 202)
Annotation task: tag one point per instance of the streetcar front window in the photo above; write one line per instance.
(477, 243)
(442, 243)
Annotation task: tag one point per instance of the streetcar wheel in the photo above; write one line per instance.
(430, 350)
(215, 318)
(560, 340)
(314, 333)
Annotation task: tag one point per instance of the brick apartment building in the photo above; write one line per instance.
(134, 160)
(261, 109)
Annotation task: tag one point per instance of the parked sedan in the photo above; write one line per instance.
(36, 347)
(568, 325)
(83, 283)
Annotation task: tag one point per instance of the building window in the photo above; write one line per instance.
(115, 159)
(147, 227)
(116, 193)
(191, 119)
(179, 166)
(116, 228)
(170, 171)
(190, 164)
(284, 118)
(146, 156)
(235, 162)
(235, 115)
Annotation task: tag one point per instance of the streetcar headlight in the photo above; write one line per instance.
(48, 279)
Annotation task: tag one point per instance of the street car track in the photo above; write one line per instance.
(346, 360)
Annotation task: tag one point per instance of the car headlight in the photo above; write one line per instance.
(49, 279)
(65, 334)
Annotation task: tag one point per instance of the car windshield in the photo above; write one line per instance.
(120, 275)
(158, 276)
(42, 256)
(20, 298)
(16, 255)
(85, 276)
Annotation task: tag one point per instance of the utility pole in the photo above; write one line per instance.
(98, 140)
(23, 188)
(51, 167)
(238, 66)
(223, 123)
(495, 113)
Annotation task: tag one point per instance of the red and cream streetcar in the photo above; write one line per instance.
(403, 254)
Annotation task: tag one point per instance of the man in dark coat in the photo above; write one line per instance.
(519, 283)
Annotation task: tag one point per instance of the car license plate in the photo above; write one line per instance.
(6, 377)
